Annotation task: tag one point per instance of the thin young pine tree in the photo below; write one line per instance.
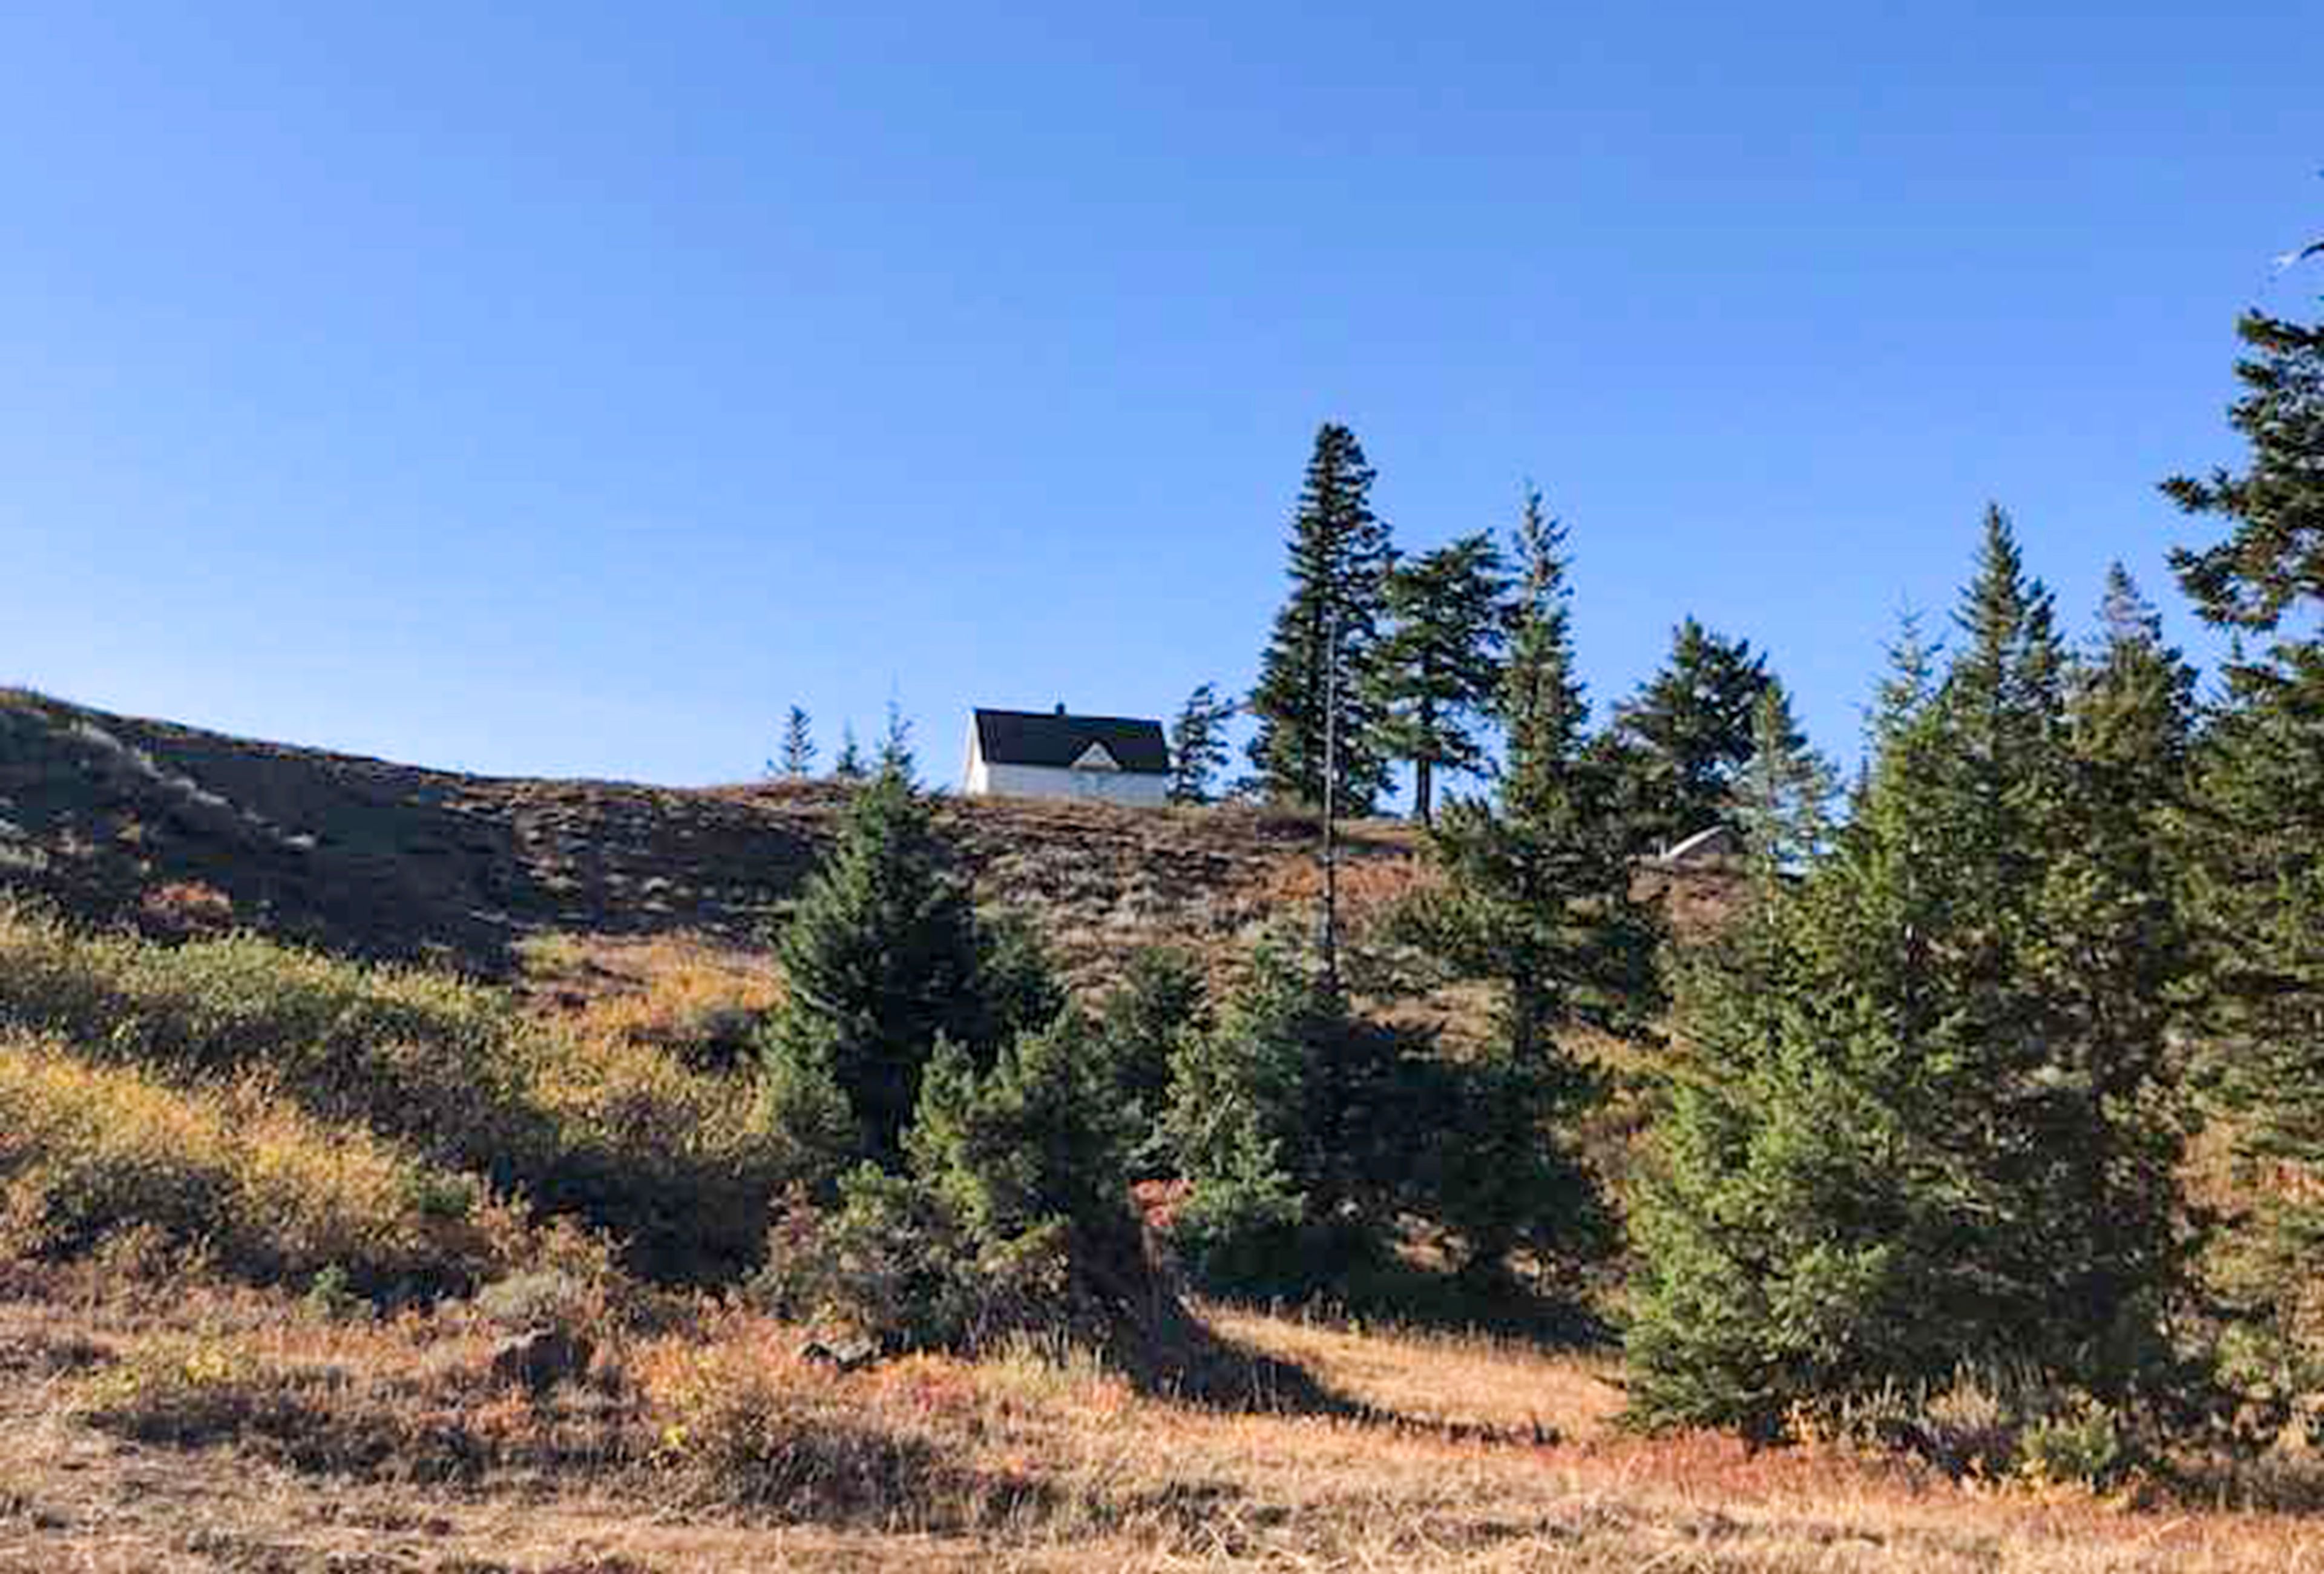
(1340, 558)
(896, 757)
(1536, 897)
(1198, 746)
(797, 759)
(1781, 796)
(849, 765)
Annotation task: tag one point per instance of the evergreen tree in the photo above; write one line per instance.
(798, 760)
(883, 956)
(1782, 798)
(1289, 1117)
(1536, 897)
(1198, 747)
(1322, 651)
(1678, 746)
(1923, 1113)
(1028, 1155)
(2253, 840)
(1439, 665)
(849, 766)
(1144, 1024)
(1536, 885)
(896, 757)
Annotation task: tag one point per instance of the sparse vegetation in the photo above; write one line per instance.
(894, 1234)
(621, 1134)
(233, 1174)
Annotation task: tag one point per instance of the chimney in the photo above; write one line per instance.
(1061, 708)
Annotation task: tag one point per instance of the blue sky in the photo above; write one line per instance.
(568, 389)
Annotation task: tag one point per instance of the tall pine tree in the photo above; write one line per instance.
(1439, 668)
(1325, 639)
(1535, 890)
(2254, 836)
(1781, 799)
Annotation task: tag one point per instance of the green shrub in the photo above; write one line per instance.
(2083, 1447)
(889, 1264)
(1239, 1231)
(330, 1298)
(1143, 1025)
(618, 1132)
(90, 1152)
(1312, 1136)
(1014, 1216)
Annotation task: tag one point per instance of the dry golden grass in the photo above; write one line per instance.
(679, 991)
(216, 1428)
(644, 1138)
(234, 1174)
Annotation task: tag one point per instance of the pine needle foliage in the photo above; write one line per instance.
(1198, 748)
(797, 758)
(1781, 799)
(2252, 841)
(1438, 668)
(882, 957)
(1536, 884)
(1923, 1111)
(1678, 748)
(1340, 558)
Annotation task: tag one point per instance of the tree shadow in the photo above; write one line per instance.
(1402, 1294)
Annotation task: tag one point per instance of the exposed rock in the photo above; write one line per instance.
(844, 1357)
(539, 1359)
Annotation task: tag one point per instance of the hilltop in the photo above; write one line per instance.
(116, 817)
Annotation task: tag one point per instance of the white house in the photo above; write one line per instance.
(1032, 753)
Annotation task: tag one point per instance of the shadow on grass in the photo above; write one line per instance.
(1401, 1295)
(1177, 1356)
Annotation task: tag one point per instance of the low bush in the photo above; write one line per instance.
(747, 1428)
(890, 1264)
(1990, 1422)
(419, 1056)
(672, 1161)
(619, 1133)
(266, 1192)
(372, 1414)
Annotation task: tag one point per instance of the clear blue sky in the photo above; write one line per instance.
(567, 389)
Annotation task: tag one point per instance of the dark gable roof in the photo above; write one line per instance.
(1040, 737)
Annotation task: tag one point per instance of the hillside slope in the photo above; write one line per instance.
(114, 818)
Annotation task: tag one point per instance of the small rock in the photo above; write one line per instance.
(539, 1359)
(843, 1358)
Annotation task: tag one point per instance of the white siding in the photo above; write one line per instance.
(1139, 792)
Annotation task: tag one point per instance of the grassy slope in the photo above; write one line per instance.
(105, 813)
(207, 1424)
